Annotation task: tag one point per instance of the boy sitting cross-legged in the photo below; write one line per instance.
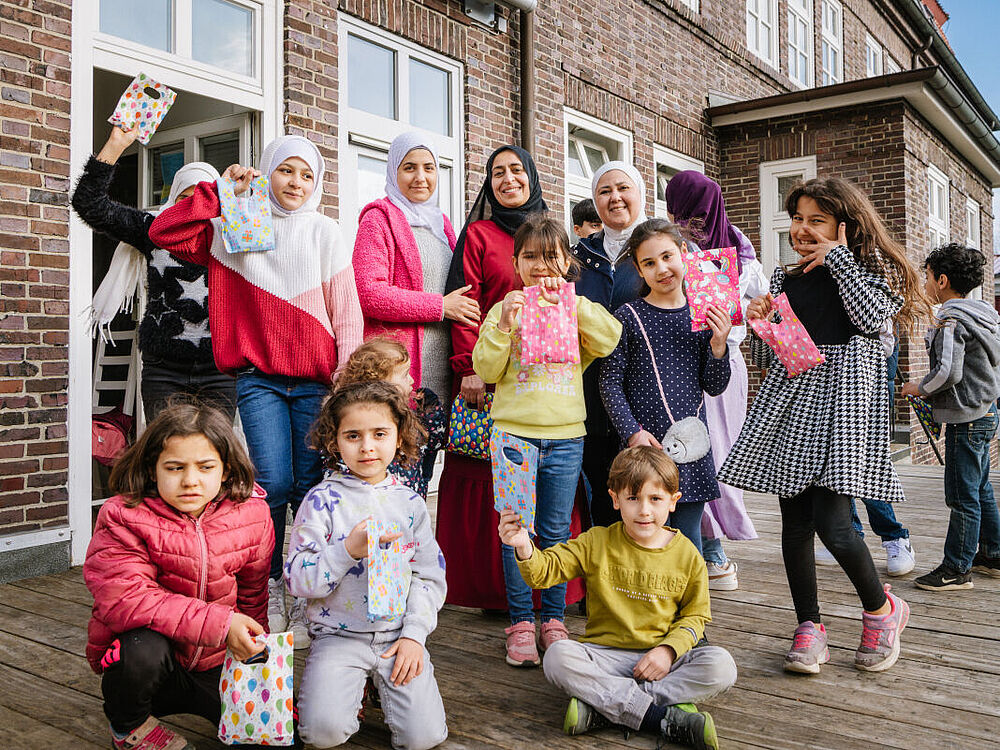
(647, 605)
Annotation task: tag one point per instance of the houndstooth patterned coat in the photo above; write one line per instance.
(828, 426)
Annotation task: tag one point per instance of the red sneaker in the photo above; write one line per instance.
(552, 631)
(521, 650)
(151, 735)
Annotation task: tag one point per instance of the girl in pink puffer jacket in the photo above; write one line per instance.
(178, 569)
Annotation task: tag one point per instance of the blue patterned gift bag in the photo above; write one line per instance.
(247, 225)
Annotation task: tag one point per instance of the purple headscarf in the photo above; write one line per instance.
(692, 195)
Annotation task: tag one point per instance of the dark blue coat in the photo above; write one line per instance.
(598, 281)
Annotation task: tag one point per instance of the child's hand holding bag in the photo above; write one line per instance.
(256, 695)
(245, 209)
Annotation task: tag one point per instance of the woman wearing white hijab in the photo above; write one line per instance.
(402, 254)
(174, 336)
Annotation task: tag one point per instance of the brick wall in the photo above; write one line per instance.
(34, 262)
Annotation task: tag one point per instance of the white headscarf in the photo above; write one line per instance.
(615, 239)
(427, 214)
(285, 147)
(187, 176)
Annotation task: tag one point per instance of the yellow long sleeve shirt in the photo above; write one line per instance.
(542, 401)
(637, 598)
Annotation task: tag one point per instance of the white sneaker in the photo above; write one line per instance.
(276, 613)
(899, 556)
(297, 624)
(722, 577)
(824, 556)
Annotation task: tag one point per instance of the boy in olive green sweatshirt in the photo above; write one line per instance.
(647, 605)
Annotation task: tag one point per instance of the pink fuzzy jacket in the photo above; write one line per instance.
(154, 567)
(390, 279)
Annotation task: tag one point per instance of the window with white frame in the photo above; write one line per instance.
(873, 56)
(668, 163)
(973, 236)
(832, 42)
(762, 31)
(891, 66)
(800, 42)
(692, 4)
(390, 85)
(589, 144)
(937, 206)
(777, 178)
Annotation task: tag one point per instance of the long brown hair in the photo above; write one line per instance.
(870, 241)
(134, 474)
(647, 230)
(375, 359)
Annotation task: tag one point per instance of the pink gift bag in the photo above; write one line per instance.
(144, 102)
(711, 277)
(789, 339)
(388, 585)
(549, 332)
(515, 469)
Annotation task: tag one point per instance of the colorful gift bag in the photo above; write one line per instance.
(469, 429)
(515, 469)
(388, 585)
(926, 416)
(257, 697)
(549, 332)
(145, 102)
(789, 339)
(247, 225)
(711, 277)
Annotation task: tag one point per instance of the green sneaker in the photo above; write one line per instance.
(684, 723)
(582, 717)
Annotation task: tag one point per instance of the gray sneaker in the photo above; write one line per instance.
(809, 649)
(277, 615)
(879, 647)
(298, 625)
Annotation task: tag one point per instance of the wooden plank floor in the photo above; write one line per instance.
(943, 692)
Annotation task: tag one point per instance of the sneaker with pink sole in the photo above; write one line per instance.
(552, 631)
(151, 735)
(521, 648)
(809, 649)
(879, 647)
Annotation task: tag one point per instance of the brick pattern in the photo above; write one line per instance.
(34, 262)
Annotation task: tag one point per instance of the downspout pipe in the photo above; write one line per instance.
(528, 80)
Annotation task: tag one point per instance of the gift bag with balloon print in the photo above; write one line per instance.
(257, 696)
(469, 429)
(247, 225)
(549, 330)
(145, 103)
(388, 583)
(515, 469)
(711, 277)
(788, 338)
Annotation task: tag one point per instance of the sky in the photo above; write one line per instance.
(973, 36)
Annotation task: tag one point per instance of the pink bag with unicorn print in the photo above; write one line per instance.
(711, 277)
(788, 338)
(549, 332)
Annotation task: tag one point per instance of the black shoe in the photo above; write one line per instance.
(944, 578)
(989, 566)
(684, 723)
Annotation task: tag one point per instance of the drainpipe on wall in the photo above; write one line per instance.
(528, 81)
(918, 53)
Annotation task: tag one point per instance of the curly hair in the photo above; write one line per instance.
(376, 359)
(134, 474)
(962, 265)
(410, 433)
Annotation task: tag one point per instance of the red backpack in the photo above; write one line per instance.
(109, 435)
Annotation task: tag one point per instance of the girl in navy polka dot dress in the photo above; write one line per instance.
(652, 385)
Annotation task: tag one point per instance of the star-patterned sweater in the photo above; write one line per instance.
(321, 570)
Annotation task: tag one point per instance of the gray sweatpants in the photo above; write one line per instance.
(601, 676)
(333, 684)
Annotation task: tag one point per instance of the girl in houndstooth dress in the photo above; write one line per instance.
(820, 438)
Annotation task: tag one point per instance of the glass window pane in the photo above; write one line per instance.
(596, 157)
(444, 190)
(663, 175)
(222, 35)
(221, 150)
(430, 103)
(371, 179)
(573, 161)
(786, 255)
(371, 77)
(164, 161)
(147, 22)
(785, 185)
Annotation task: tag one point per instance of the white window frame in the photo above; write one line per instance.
(362, 132)
(590, 129)
(800, 15)
(938, 207)
(973, 237)
(832, 41)
(774, 219)
(692, 4)
(756, 23)
(873, 56)
(891, 66)
(674, 161)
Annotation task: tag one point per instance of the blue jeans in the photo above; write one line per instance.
(277, 413)
(711, 550)
(974, 522)
(559, 464)
(882, 519)
(686, 518)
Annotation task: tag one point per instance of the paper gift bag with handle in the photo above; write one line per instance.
(247, 225)
(515, 470)
(145, 103)
(469, 429)
(711, 277)
(388, 584)
(788, 338)
(549, 331)
(257, 695)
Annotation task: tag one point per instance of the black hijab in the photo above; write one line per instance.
(486, 206)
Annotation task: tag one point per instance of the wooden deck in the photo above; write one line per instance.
(943, 692)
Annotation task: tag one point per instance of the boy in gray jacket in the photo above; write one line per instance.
(962, 388)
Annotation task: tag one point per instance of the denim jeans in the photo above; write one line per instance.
(974, 522)
(882, 519)
(555, 491)
(711, 550)
(277, 413)
(686, 518)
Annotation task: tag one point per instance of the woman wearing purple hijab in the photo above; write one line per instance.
(695, 201)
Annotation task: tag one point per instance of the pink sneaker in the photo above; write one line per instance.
(521, 649)
(809, 649)
(552, 631)
(151, 735)
(879, 647)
